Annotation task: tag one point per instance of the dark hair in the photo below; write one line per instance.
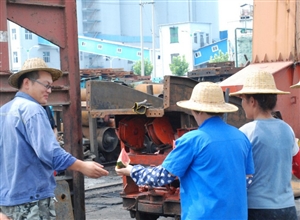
(265, 101)
(34, 75)
(211, 113)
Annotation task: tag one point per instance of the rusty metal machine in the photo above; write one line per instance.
(146, 126)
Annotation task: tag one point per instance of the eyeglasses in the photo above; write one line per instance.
(48, 86)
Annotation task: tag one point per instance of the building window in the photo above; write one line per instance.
(28, 35)
(214, 48)
(14, 34)
(195, 38)
(46, 56)
(198, 54)
(207, 38)
(174, 55)
(99, 47)
(202, 44)
(173, 35)
(15, 57)
(119, 50)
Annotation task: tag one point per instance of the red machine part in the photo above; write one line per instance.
(132, 132)
(161, 131)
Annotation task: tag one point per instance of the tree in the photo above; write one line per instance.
(221, 57)
(179, 66)
(148, 67)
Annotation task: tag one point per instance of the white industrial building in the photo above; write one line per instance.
(168, 28)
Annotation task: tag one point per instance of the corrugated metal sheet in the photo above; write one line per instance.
(235, 82)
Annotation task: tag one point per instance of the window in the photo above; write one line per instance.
(202, 44)
(174, 55)
(119, 50)
(99, 46)
(207, 38)
(197, 54)
(139, 53)
(214, 48)
(14, 34)
(15, 57)
(195, 38)
(28, 35)
(46, 56)
(173, 35)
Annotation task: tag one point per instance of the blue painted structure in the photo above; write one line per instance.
(204, 54)
(127, 52)
(111, 49)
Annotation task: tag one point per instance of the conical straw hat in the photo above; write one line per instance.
(259, 83)
(295, 86)
(33, 64)
(207, 97)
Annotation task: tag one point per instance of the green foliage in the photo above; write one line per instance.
(221, 57)
(148, 67)
(179, 66)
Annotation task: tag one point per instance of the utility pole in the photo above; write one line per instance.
(142, 38)
(153, 40)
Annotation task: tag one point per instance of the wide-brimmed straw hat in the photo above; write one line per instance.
(295, 86)
(259, 83)
(207, 97)
(33, 64)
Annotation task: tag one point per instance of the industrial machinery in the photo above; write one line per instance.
(146, 124)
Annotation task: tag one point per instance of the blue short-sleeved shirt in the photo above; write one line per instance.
(212, 163)
(29, 152)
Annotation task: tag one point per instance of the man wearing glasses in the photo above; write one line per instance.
(29, 151)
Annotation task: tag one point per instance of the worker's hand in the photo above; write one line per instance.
(124, 171)
(89, 168)
(3, 217)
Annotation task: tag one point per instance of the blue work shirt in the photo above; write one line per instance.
(29, 152)
(212, 163)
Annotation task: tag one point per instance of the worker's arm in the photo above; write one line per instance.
(3, 217)
(88, 168)
(296, 160)
(151, 176)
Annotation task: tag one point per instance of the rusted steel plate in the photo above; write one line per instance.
(44, 18)
(177, 89)
(52, 3)
(4, 58)
(63, 207)
(149, 113)
(148, 159)
(118, 98)
(150, 207)
(172, 207)
(235, 82)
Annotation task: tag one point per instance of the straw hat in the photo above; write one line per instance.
(207, 97)
(33, 64)
(295, 86)
(259, 83)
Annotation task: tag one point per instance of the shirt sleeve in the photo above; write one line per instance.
(151, 176)
(42, 139)
(296, 147)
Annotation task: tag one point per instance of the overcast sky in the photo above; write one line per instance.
(229, 10)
